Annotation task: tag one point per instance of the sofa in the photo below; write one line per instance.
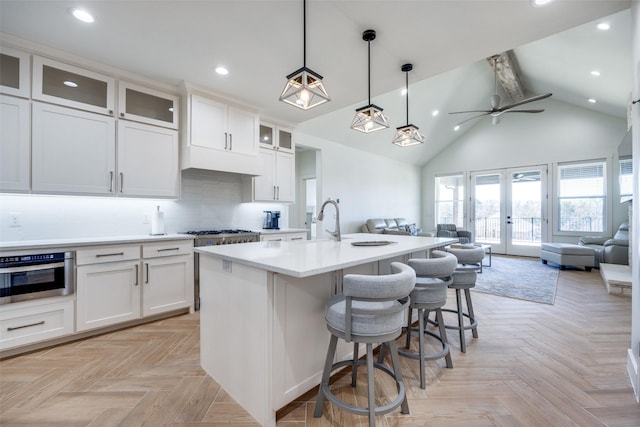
(450, 230)
(393, 226)
(609, 250)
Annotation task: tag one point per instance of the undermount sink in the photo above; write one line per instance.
(372, 243)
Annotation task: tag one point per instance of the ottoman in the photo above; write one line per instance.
(565, 254)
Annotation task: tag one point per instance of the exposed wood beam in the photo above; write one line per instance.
(505, 66)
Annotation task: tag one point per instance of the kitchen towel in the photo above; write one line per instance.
(157, 222)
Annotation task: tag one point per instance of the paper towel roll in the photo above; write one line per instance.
(157, 223)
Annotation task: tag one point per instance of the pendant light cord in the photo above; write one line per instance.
(304, 33)
(406, 85)
(369, 68)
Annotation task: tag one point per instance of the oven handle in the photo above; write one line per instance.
(45, 266)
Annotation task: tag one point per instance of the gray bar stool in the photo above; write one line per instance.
(464, 278)
(370, 310)
(433, 276)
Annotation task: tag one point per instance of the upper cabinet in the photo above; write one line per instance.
(15, 147)
(219, 136)
(71, 86)
(14, 72)
(145, 105)
(276, 138)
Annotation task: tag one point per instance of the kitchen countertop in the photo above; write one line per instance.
(305, 258)
(19, 245)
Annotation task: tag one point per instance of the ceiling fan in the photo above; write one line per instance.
(496, 110)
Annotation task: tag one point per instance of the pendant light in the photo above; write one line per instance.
(407, 135)
(370, 117)
(304, 88)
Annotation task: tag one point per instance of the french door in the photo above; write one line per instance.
(509, 209)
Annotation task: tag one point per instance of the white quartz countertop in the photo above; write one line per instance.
(280, 230)
(303, 258)
(18, 245)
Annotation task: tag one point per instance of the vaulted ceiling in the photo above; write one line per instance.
(260, 42)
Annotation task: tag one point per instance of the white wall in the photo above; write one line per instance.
(209, 200)
(368, 185)
(561, 133)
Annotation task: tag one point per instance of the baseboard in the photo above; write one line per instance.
(634, 373)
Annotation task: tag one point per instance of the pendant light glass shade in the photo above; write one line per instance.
(409, 134)
(304, 88)
(369, 118)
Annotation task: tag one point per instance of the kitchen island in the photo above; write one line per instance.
(263, 336)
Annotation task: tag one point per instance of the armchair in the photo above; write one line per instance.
(450, 230)
(610, 250)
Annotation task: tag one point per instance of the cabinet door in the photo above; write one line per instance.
(168, 284)
(14, 72)
(264, 185)
(285, 140)
(107, 294)
(147, 105)
(285, 177)
(75, 87)
(243, 131)
(15, 148)
(267, 136)
(208, 123)
(147, 160)
(72, 151)
(273, 237)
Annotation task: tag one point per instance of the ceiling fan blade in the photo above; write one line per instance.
(522, 111)
(525, 101)
(471, 111)
(471, 118)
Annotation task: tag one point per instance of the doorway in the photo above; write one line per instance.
(509, 209)
(308, 189)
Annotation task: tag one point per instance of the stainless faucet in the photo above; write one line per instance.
(335, 234)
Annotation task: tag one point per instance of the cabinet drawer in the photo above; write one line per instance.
(36, 323)
(107, 253)
(167, 248)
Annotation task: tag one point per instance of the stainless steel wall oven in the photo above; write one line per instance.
(42, 275)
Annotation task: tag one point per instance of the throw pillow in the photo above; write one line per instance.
(412, 229)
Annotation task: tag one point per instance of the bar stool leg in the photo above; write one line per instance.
(326, 373)
(370, 392)
(472, 316)
(463, 344)
(407, 344)
(421, 344)
(443, 335)
(354, 365)
(395, 361)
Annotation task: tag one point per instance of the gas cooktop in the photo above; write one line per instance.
(216, 232)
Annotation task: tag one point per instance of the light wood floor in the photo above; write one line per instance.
(532, 365)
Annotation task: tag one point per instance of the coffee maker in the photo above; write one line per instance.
(271, 220)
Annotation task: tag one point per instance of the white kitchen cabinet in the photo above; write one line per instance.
(71, 86)
(147, 160)
(283, 237)
(146, 105)
(276, 138)
(219, 136)
(31, 322)
(14, 72)
(15, 150)
(277, 180)
(73, 152)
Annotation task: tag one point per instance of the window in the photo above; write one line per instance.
(449, 200)
(626, 179)
(582, 196)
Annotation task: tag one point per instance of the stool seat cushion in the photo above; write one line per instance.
(364, 324)
(567, 249)
(429, 290)
(464, 279)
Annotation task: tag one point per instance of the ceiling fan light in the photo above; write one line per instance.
(369, 119)
(304, 89)
(407, 136)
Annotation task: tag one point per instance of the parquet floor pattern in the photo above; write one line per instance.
(532, 365)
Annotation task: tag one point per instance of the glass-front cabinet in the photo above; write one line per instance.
(64, 84)
(276, 138)
(14, 72)
(145, 105)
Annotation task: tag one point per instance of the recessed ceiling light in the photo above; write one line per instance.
(82, 15)
(222, 71)
(595, 73)
(591, 100)
(539, 3)
(70, 83)
(604, 26)
(456, 128)
(435, 113)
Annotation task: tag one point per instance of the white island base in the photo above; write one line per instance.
(263, 336)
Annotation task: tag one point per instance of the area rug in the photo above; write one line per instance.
(519, 277)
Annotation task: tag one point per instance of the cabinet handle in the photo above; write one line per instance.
(13, 328)
(230, 141)
(137, 271)
(226, 138)
(121, 114)
(296, 238)
(274, 192)
(168, 249)
(147, 268)
(121, 182)
(278, 197)
(111, 112)
(110, 181)
(113, 254)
